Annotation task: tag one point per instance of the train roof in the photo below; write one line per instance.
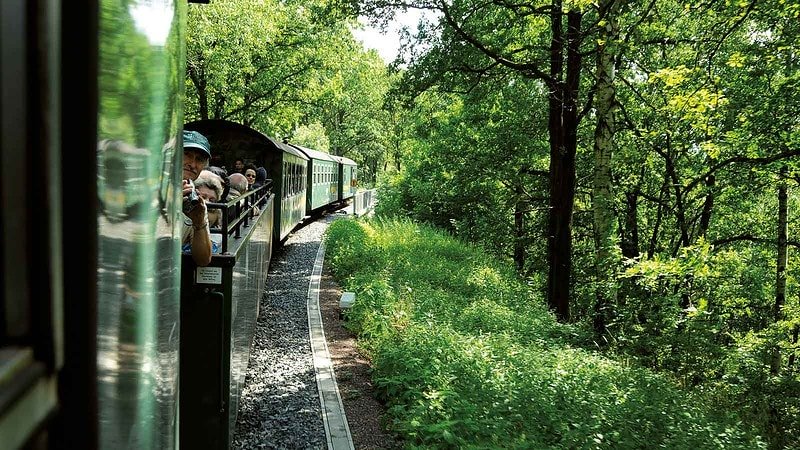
(224, 135)
(314, 154)
(344, 160)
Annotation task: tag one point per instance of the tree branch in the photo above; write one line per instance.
(750, 238)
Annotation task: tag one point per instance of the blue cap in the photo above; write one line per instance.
(193, 139)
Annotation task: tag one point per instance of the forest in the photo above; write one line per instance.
(635, 162)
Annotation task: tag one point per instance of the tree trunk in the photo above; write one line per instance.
(197, 75)
(680, 208)
(562, 129)
(783, 220)
(680, 217)
(630, 232)
(780, 278)
(793, 354)
(519, 228)
(708, 205)
(651, 249)
(602, 198)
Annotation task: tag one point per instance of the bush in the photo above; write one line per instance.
(467, 356)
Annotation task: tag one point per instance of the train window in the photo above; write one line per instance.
(285, 182)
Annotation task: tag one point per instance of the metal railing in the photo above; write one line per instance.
(364, 202)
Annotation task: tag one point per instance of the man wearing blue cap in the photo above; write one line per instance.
(196, 155)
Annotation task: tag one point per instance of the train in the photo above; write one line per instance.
(97, 345)
(309, 180)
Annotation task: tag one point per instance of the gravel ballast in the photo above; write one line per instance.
(280, 407)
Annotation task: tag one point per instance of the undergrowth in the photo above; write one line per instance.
(466, 355)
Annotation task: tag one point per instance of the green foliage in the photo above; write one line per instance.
(467, 356)
(290, 70)
(723, 343)
(312, 136)
(708, 101)
(708, 97)
(765, 398)
(472, 168)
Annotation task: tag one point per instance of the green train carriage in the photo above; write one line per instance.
(348, 177)
(322, 178)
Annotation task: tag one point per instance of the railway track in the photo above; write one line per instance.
(290, 398)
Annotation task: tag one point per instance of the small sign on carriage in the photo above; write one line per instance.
(208, 275)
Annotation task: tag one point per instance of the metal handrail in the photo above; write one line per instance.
(243, 208)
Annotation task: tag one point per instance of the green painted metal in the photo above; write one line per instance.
(292, 193)
(322, 178)
(348, 182)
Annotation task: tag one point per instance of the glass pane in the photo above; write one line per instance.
(141, 75)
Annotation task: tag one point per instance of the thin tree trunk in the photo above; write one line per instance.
(651, 249)
(793, 355)
(680, 216)
(602, 197)
(780, 275)
(630, 231)
(197, 75)
(708, 206)
(680, 208)
(519, 229)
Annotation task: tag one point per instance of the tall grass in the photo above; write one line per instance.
(468, 356)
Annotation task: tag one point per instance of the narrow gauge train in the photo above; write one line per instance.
(309, 180)
(219, 302)
(92, 318)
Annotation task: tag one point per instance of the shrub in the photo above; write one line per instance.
(467, 356)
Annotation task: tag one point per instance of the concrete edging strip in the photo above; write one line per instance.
(337, 430)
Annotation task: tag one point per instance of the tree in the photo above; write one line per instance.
(606, 255)
(538, 40)
(265, 69)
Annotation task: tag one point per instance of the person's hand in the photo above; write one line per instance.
(199, 214)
